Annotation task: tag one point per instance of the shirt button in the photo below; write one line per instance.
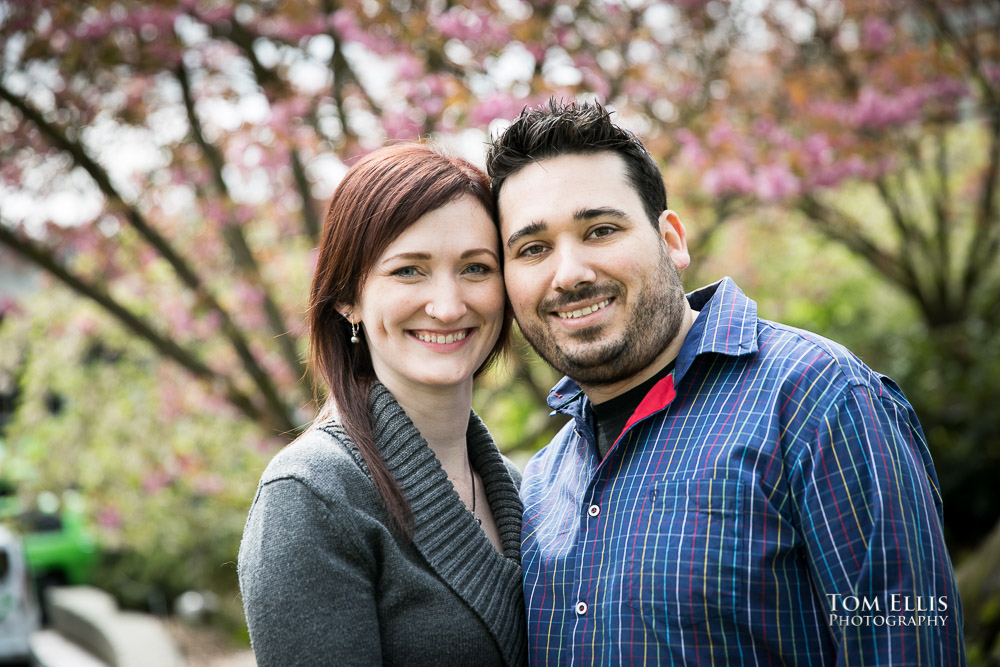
(594, 510)
(581, 608)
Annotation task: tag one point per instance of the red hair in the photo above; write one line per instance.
(381, 196)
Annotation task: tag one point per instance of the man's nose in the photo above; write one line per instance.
(572, 270)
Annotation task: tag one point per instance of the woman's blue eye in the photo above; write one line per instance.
(406, 272)
(477, 269)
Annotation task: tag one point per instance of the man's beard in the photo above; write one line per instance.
(653, 318)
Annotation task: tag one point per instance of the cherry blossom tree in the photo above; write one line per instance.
(196, 142)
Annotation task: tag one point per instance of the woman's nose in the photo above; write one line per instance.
(446, 304)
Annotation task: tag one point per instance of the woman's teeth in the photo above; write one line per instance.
(442, 340)
(586, 310)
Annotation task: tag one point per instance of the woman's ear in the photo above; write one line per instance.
(347, 311)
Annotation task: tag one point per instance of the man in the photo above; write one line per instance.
(728, 490)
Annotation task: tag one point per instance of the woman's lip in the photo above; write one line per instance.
(439, 337)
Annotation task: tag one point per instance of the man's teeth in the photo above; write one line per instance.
(586, 310)
(442, 340)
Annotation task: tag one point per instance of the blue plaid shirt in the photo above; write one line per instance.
(771, 502)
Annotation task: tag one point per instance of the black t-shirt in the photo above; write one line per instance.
(611, 416)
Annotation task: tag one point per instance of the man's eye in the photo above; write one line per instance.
(532, 251)
(601, 232)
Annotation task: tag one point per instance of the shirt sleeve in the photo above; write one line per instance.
(307, 583)
(869, 511)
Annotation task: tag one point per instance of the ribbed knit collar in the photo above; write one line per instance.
(447, 534)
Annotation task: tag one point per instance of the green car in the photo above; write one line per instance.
(58, 545)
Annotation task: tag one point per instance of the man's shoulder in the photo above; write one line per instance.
(803, 351)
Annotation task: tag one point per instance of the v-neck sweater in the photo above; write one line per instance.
(326, 581)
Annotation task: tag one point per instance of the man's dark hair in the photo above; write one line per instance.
(570, 128)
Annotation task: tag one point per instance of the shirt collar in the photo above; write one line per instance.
(727, 324)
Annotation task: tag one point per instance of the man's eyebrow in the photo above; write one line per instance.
(603, 212)
(529, 229)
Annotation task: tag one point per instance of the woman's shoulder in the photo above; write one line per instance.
(515, 472)
(323, 459)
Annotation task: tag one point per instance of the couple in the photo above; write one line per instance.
(727, 489)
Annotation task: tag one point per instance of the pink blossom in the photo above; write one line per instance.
(773, 134)
(774, 181)
(597, 83)
(874, 110)
(399, 126)
(109, 518)
(289, 31)
(248, 295)
(347, 27)
(96, 30)
(156, 481)
(85, 325)
(875, 34)
(945, 90)
(408, 67)
(208, 485)
(497, 105)
(692, 151)
(287, 111)
(9, 306)
(222, 12)
(160, 19)
(689, 4)
(467, 25)
(537, 51)
(722, 133)
(728, 177)
(992, 72)
(177, 315)
(207, 326)
(817, 149)
(458, 23)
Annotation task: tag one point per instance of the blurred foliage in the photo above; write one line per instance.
(167, 469)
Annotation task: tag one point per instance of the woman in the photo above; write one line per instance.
(389, 532)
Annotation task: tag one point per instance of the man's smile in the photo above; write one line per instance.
(584, 310)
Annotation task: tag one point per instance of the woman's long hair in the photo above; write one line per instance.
(381, 196)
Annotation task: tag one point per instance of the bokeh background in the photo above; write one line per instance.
(165, 165)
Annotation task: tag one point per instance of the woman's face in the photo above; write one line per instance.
(432, 306)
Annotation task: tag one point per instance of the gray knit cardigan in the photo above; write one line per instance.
(325, 581)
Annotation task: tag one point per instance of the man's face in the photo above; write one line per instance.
(594, 286)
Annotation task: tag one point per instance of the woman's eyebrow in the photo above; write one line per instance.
(479, 251)
(409, 255)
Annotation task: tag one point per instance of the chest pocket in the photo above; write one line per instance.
(689, 566)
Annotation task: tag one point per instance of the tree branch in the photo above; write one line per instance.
(232, 232)
(310, 220)
(282, 414)
(839, 227)
(140, 327)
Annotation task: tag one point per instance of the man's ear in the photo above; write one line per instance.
(673, 233)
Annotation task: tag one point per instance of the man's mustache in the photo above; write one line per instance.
(585, 293)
